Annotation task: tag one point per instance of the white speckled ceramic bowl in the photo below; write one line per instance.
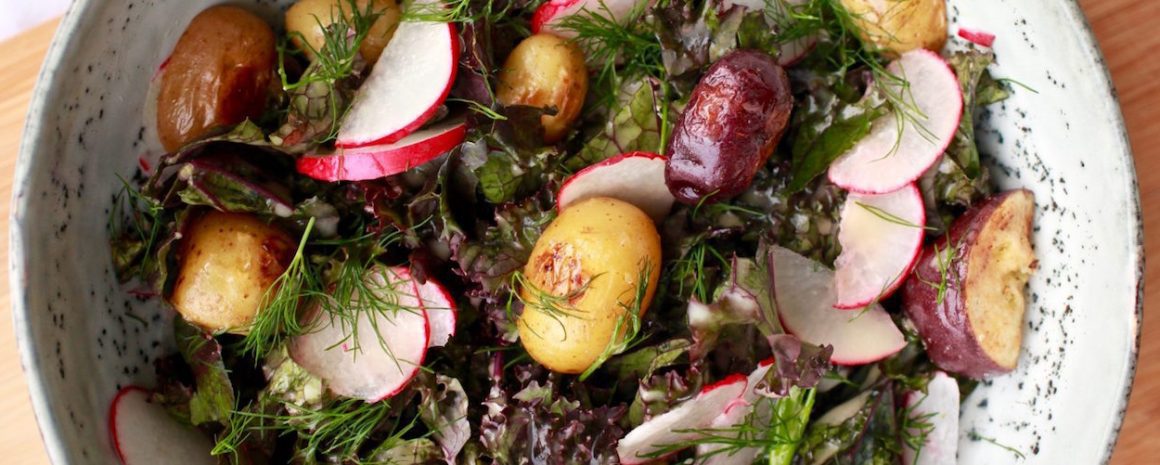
(83, 337)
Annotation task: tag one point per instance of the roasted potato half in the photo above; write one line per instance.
(549, 72)
(219, 74)
(965, 296)
(585, 272)
(226, 263)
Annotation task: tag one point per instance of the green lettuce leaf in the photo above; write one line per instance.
(213, 397)
(979, 89)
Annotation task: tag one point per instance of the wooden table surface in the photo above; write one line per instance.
(1125, 29)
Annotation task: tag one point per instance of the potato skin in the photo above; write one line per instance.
(735, 118)
(601, 243)
(546, 71)
(226, 262)
(308, 17)
(219, 74)
(991, 253)
(899, 26)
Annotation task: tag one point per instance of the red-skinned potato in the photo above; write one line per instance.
(226, 262)
(965, 296)
(219, 74)
(735, 118)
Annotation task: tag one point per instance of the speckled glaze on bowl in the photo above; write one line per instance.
(83, 336)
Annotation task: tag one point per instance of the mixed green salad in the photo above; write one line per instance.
(570, 231)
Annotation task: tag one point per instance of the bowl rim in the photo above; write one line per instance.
(47, 89)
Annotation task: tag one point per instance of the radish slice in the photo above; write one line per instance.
(976, 36)
(938, 411)
(674, 426)
(411, 79)
(143, 433)
(735, 414)
(377, 161)
(804, 293)
(881, 238)
(547, 17)
(440, 309)
(637, 178)
(886, 160)
(391, 344)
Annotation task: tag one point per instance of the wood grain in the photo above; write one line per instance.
(1125, 29)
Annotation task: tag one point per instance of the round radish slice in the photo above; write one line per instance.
(934, 414)
(889, 158)
(735, 414)
(985, 39)
(143, 433)
(637, 178)
(440, 309)
(881, 237)
(377, 161)
(547, 17)
(378, 356)
(406, 87)
(804, 293)
(676, 425)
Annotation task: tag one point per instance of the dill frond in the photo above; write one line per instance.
(617, 51)
(891, 218)
(626, 332)
(277, 318)
(138, 218)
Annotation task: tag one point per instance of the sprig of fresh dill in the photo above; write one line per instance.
(455, 11)
(690, 272)
(618, 51)
(341, 428)
(556, 307)
(143, 216)
(913, 429)
(891, 218)
(626, 331)
(277, 318)
(943, 260)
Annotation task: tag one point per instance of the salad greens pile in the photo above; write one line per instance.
(469, 219)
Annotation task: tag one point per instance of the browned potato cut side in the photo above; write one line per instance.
(226, 263)
(966, 294)
(998, 268)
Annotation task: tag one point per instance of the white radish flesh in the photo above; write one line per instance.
(407, 85)
(805, 297)
(143, 433)
(934, 415)
(889, 158)
(637, 178)
(440, 309)
(881, 237)
(377, 357)
(735, 415)
(676, 426)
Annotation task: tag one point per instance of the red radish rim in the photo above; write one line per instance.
(942, 147)
(405, 273)
(113, 412)
(603, 163)
(333, 167)
(728, 380)
(428, 113)
(548, 11)
(978, 37)
(901, 279)
(451, 307)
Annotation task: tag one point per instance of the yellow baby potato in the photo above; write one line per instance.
(583, 277)
(546, 71)
(308, 17)
(226, 262)
(899, 26)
